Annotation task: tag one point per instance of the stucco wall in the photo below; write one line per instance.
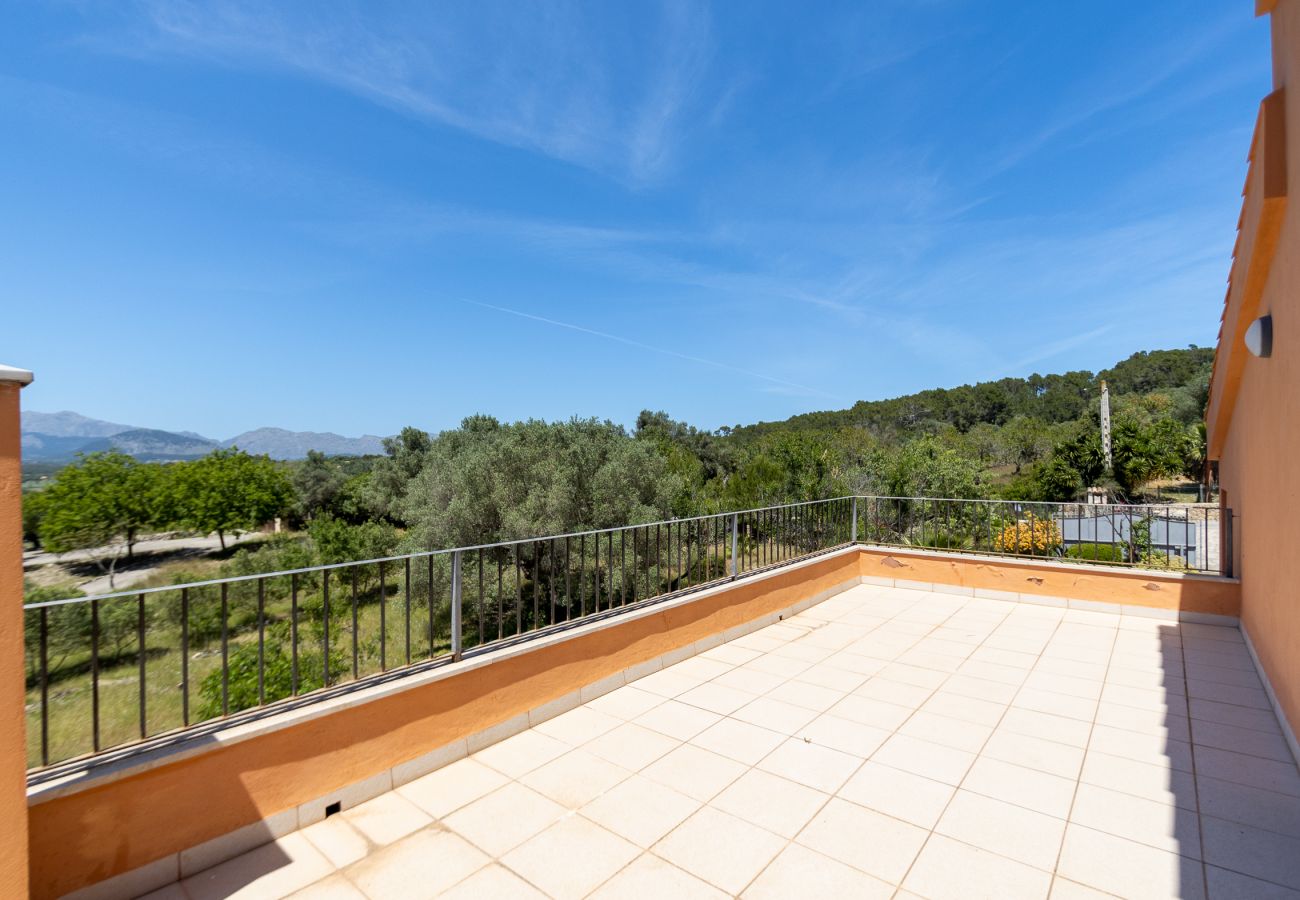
(1257, 466)
(13, 750)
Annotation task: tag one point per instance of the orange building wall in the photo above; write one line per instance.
(13, 740)
(1258, 470)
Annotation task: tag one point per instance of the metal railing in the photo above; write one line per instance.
(112, 674)
(1186, 538)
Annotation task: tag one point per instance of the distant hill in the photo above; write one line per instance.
(58, 437)
(280, 444)
(1183, 374)
(71, 425)
(150, 444)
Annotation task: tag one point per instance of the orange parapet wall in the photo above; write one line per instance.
(1106, 586)
(13, 739)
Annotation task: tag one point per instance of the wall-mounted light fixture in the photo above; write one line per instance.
(1259, 337)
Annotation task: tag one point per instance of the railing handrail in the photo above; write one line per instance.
(514, 542)
(423, 554)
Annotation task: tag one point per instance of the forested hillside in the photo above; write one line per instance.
(1022, 438)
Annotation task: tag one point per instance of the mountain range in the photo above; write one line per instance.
(55, 437)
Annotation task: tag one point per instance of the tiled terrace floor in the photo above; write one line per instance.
(885, 743)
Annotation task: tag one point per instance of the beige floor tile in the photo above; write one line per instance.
(1159, 782)
(1249, 770)
(630, 746)
(276, 869)
(338, 841)
(1046, 726)
(777, 665)
(577, 726)
(504, 818)
(844, 735)
(730, 654)
(950, 870)
(818, 767)
(877, 844)
(855, 664)
(1252, 851)
(1035, 753)
(719, 848)
(925, 758)
(1160, 825)
(896, 692)
(448, 789)
(968, 709)
(493, 881)
(1127, 868)
(694, 771)
(905, 673)
(1011, 831)
(666, 683)
(1039, 791)
(946, 731)
(1084, 710)
(1222, 884)
(650, 876)
(386, 818)
(992, 671)
(575, 779)
(701, 667)
(876, 713)
(800, 872)
(404, 870)
(1234, 802)
(900, 794)
(335, 887)
(641, 810)
(1241, 716)
(716, 698)
(1148, 748)
(751, 681)
(771, 802)
(1163, 722)
(833, 677)
(1241, 740)
(775, 715)
(741, 741)
(677, 720)
(979, 688)
(1064, 889)
(521, 753)
(625, 702)
(1252, 697)
(809, 696)
(550, 862)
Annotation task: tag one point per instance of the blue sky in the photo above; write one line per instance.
(356, 216)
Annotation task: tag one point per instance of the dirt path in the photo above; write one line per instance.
(78, 566)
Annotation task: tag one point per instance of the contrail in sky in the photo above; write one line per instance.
(631, 343)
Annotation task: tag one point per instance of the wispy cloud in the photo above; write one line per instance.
(544, 78)
(779, 383)
(1138, 74)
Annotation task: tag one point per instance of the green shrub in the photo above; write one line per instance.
(1113, 553)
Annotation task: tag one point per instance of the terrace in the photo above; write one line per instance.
(888, 741)
(876, 695)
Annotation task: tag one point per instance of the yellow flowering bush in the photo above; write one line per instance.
(1031, 534)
